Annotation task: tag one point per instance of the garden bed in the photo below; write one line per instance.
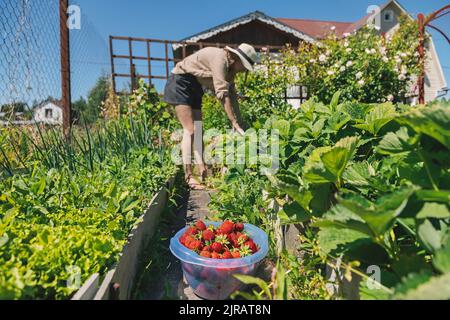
(119, 282)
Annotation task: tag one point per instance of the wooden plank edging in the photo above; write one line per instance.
(119, 282)
(89, 288)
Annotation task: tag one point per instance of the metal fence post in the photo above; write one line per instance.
(65, 66)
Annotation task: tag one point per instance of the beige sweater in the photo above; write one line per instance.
(211, 68)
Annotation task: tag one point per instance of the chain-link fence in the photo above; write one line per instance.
(29, 57)
(35, 84)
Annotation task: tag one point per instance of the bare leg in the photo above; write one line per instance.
(186, 118)
(198, 142)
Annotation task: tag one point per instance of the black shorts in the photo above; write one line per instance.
(183, 89)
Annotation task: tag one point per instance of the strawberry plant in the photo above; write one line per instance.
(370, 181)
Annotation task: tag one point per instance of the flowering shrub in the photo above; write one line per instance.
(265, 91)
(363, 66)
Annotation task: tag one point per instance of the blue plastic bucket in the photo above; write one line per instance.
(213, 279)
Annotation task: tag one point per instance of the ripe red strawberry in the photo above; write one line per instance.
(217, 247)
(200, 225)
(231, 237)
(183, 239)
(252, 246)
(239, 227)
(205, 254)
(235, 254)
(191, 231)
(215, 255)
(208, 235)
(195, 245)
(233, 240)
(227, 255)
(227, 227)
(207, 248)
(188, 240)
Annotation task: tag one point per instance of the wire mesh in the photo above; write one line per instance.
(89, 56)
(29, 56)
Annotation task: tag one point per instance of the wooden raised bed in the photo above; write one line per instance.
(118, 283)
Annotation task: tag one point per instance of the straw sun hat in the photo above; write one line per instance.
(247, 54)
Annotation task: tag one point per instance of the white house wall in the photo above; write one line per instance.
(57, 116)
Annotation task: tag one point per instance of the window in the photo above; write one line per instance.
(48, 113)
(388, 16)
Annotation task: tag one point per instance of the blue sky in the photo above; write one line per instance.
(176, 19)
(173, 20)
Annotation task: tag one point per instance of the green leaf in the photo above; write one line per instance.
(410, 263)
(337, 120)
(330, 238)
(256, 281)
(327, 164)
(412, 281)
(38, 187)
(434, 196)
(357, 111)
(395, 143)
(436, 288)
(433, 121)
(359, 173)
(433, 210)
(374, 293)
(293, 213)
(340, 217)
(430, 236)
(335, 101)
(380, 216)
(283, 126)
(441, 259)
(4, 239)
(377, 118)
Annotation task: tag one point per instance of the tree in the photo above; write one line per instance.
(79, 108)
(89, 111)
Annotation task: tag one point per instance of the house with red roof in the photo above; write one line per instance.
(261, 30)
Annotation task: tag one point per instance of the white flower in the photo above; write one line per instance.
(383, 50)
(348, 50)
(404, 70)
(398, 59)
(403, 55)
(342, 69)
(346, 44)
(359, 75)
(373, 51)
(349, 63)
(367, 51)
(346, 35)
(361, 82)
(322, 58)
(390, 97)
(385, 59)
(312, 60)
(333, 28)
(401, 77)
(330, 72)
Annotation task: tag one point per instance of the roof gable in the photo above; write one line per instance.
(257, 15)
